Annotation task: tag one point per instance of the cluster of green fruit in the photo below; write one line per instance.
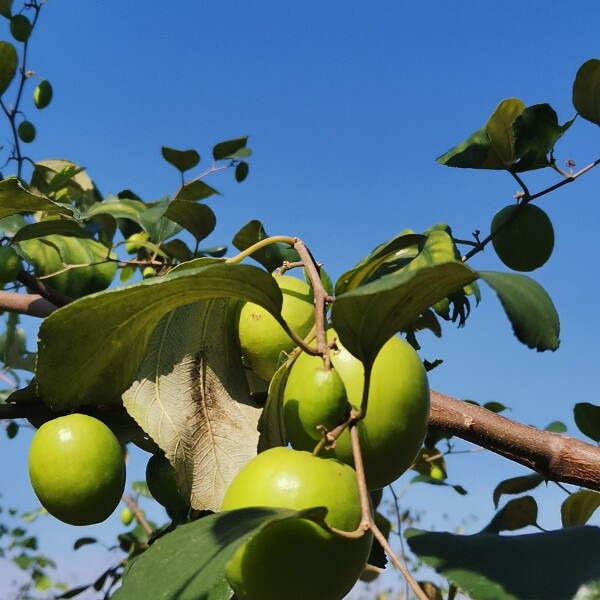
(316, 399)
(523, 236)
(77, 471)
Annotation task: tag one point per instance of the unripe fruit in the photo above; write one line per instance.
(26, 132)
(313, 399)
(262, 339)
(10, 265)
(126, 516)
(20, 28)
(77, 469)
(393, 430)
(526, 243)
(42, 95)
(297, 559)
(148, 272)
(135, 242)
(162, 482)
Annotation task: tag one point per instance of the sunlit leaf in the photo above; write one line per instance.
(500, 129)
(528, 307)
(577, 509)
(8, 65)
(586, 91)
(474, 153)
(14, 198)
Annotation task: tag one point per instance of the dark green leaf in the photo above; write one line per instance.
(156, 224)
(516, 485)
(495, 407)
(198, 219)
(499, 129)
(214, 252)
(5, 8)
(73, 592)
(123, 320)
(84, 541)
(183, 160)
(8, 65)
(271, 257)
(229, 148)
(586, 91)
(552, 565)
(474, 153)
(194, 190)
(12, 429)
(241, 171)
(528, 307)
(577, 509)
(212, 541)
(428, 479)
(515, 514)
(556, 427)
(14, 198)
(587, 419)
(367, 316)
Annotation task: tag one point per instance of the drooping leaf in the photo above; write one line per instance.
(198, 219)
(194, 190)
(191, 396)
(528, 307)
(183, 160)
(586, 91)
(14, 199)
(515, 514)
(587, 419)
(551, 565)
(536, 132)
(270, 257)
(577, 509)
(229, 148)
(211, 541)
(123, 320)
(8, 65)
(499, 129)
(516, 485)
(367, 316)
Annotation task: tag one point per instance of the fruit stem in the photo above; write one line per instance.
(275, 239)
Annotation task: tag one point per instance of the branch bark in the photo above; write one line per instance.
(554, 456)
(26, 304)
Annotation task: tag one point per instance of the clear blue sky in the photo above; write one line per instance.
(347, 104)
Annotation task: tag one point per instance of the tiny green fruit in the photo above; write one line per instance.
(77, 470)
(527, 242)
(135, 242)
(162, 482)
(20, 28)
(126, 516)
(297, 559)
(42, 95)
(26, 132)
(10, 265)
(262, 339)
(148, 272)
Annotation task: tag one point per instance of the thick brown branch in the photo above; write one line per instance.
(26, 304)
(554, 456)
(37, 285)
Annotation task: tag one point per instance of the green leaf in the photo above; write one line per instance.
(577, 509)
(552, 565)
(271, 425)
(84, 541)
(212, 541)
(474, 153)
(5, 8)
(123, 320)
(12, 429)
(499, 129)
(194, 190)
(528, 307)
(515, 514)
(183, 160)
(141, 488)
(536, 132)
(271, 257)
(241, 171)
(206, 426)
(586, 91)
(14, 199)
(495, 407)
(117, 208)
(556, 427)
(367, 316)
(198, 219)
(8, 65)
(63, 226)
(516, 485)
(587, 419)
(229, 148)
(439, 482)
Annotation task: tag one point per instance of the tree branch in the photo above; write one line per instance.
(26, 304)
(554, 456)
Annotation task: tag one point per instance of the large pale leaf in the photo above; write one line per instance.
(552, 565)
(189, 562)
(191, 396)
(500, 129)
(62, 226)
(99, 342)
(14, 198)
(528, 307)
(586, 91)
(8, 65)
(367, 316)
